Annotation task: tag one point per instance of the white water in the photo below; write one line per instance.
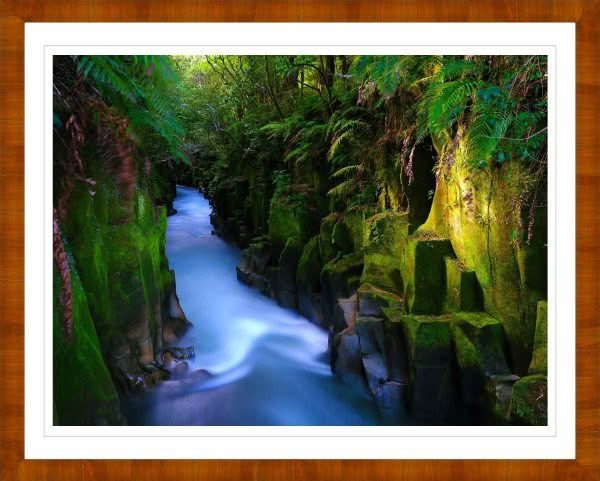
(270, 364)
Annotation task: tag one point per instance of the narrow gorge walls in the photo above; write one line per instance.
(115, 305)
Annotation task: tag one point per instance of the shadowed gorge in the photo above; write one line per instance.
(300, 240)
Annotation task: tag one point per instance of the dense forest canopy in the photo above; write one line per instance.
(359, 118)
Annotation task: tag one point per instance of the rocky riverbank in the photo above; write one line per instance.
(435, 314)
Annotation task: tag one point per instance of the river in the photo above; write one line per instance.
(270, 365)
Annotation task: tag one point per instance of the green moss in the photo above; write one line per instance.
(479, 342)
(529, 401)
(83, 390)
(286, 219)
(539, 361)
(328, 250)
(466, 354)
(283, 278)
(355, 225)
(423, 273)
(432, 383)
(341, 237)
(348, 266)
(309, 266)
(340, 278)
(118, 249)
(427, 337)
(475, 210)
(383, 271)
(462, 290)
(371, 300)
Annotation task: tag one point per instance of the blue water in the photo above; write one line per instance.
(270, 365)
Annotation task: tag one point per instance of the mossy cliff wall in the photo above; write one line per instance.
(476, 211)
(463, 261)
(122, 286)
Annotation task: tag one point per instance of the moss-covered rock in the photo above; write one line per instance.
(387, 233)
(286, 277)
(496, 403)
(428, 337)
(463, 292)
(539, 361)
(479, 345)
(84, 393)
(288, 218)
(340, 279)
(383, 271)
(308, 282)
(371, 300)
(117, 242)
(432, 393)
(341, 237)
(345, 357)
(327, 249)
(529, 401)
(479, 342)
(423, 273)
(475, 209)
(252, 268)
(355, 225)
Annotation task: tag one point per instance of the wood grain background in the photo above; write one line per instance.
(13, 14)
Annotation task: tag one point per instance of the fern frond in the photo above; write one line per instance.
(349, 169)
(337, 142)
(343, 189)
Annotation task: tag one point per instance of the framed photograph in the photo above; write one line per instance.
(299, 240)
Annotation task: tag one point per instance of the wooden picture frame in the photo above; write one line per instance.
(14, 14)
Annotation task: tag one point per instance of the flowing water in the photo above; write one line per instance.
(270, 365)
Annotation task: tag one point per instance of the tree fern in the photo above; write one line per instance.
(139, 88)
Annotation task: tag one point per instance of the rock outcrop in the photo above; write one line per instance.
(428, 302)
(126, 305)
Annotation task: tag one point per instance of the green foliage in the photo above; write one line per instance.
(141, 88)
(355, 120)
(500, 101)
(282, 182)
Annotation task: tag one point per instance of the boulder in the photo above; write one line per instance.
(479, 344)
(479, 341)
(288, 218)
(252, 267)
(174, 328)
(391, 401)
(286, 277)
(529, 401)
(371, 300)
(428, 338)
(423, 273)
(375, 371)
(383, 272)
(498, 391)
(242, 235)
(384, 371)
(345, 357)
(341, 237)
(178, 369)
(463, 292)
(229, 229)
(327, 249)
(432, 393)
(340, 279)
(539, 360)
(308, 282)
